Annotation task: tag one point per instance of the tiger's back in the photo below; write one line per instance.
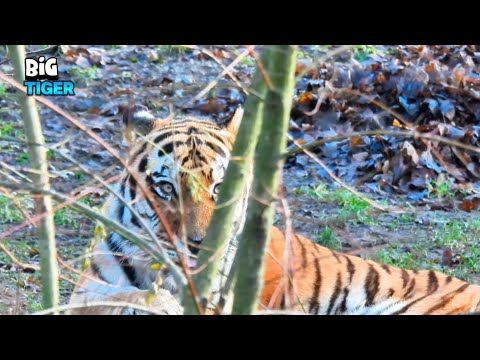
(327, 282)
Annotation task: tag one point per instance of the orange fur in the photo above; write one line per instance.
(321, 279)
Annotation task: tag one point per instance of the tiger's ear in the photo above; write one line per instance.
(138, 120)
(233, 123)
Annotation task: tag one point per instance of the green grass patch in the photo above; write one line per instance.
(22, 158)
(9, 213)
(8, 129)
(328, 239)
(441, 188)
(363, 52)
(66, 217)
(461, 237)
(247, 61)
(351, 204)
(79, 175)
(83, 76)
(173, 49)
(3, 90)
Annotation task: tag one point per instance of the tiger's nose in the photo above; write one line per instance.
(194, 243)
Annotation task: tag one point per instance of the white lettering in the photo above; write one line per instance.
(31, 67)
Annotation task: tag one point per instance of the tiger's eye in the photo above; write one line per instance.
(216, 189)
(167, 188)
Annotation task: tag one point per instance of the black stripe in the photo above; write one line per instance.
(215, 136)
(185, 159)
(386, 268)
(217, 149)
(409, 293)
(336, 292)
(182, 129)
(122, 185)
(121, 212)
(149, 180)
(445, 300)
(314, 300)
(350, 269)
(405, 277)
(335, 255)
(142, 149)
(372, 284)
(132, 184)
(303, 254)
(134, 221)
(448, 279)
(130, 272)
(406, 307)
(112, 245)
(158, 174)
(162, 136)
(390, 292)
(185, 123)
(166, 149)
(154, 219)
(97, 271)
(343, 306)
(202, 158)
(143, 164)
(117, 251)
(432, 282)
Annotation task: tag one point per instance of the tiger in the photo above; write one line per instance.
(312, 280)
(172, 157)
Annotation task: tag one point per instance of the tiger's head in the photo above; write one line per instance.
(183, 163)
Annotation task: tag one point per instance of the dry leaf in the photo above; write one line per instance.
(305, 97)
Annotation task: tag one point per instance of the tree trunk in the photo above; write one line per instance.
(43, 203)
(267, 171)
(233, 186)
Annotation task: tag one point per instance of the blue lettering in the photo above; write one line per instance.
(30, 86)
(46, 88)
(57, 88)
(61, 88)
(68, 87)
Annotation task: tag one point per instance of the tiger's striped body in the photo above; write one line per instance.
(183, 162)
(326, 282)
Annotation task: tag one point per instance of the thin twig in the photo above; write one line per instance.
(212, 56)
(248, 51)
(414, 134)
